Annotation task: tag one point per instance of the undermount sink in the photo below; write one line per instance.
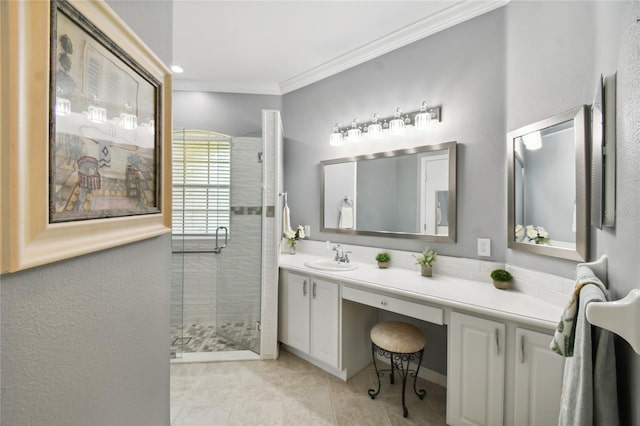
(330, 265)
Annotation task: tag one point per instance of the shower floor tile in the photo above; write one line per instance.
(205, 337)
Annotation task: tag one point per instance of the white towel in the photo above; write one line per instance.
(286, 220)
(589, 390)
(346, 217)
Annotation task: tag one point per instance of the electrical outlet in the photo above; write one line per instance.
(484, 247)
(307, 231)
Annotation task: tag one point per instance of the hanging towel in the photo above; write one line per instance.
(564, 336)
(286, 220)
(589, 390)
(346, 217)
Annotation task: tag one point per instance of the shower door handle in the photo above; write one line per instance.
(219, 248)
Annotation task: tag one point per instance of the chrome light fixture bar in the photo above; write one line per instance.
(397, 123)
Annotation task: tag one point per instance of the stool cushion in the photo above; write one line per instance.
(396, 336)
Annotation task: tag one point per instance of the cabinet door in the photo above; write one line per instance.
(538, 379)
(324, 321)
(475, 371)
(298, 290)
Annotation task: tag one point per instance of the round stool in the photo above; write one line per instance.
(401, 343)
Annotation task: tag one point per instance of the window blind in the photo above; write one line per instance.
(201, 183)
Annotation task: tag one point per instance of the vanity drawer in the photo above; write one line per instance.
(388, 303)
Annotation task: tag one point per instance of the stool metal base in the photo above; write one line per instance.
(400, 363)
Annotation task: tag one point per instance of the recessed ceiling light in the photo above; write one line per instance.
(177, 69)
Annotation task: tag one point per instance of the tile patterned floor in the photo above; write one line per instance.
(290, 391)
(204, 337)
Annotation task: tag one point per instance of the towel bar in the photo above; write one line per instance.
(620, 316)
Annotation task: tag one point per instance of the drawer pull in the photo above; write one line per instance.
(522, 349)
(383, 302)
(497, 341)
(304, 288)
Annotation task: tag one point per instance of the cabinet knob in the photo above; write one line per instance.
(383, 302)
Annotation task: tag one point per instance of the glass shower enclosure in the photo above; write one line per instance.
(217, 245)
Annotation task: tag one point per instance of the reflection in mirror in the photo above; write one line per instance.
(405, 193)
(603, 153)
(548, 188)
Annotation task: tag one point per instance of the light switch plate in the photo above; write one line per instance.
(307, 231)
(484, 247)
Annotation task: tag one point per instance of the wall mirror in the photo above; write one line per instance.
(407, 193)
(603, 153)
(548, 211)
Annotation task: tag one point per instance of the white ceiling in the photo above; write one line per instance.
(274, 47)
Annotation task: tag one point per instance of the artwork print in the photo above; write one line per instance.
(104, 139)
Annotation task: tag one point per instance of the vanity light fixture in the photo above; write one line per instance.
(397, 124)
(127, 120)
(95, 113)
(63, 106)
(354, 134)
(532, 141)
(177, 69)
(374, 129)
(421, 119)
(336, 138)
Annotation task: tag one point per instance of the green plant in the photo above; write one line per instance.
(501, 275)
(383, 257)
(427, 258)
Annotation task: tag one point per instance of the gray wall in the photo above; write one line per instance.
(496, 73)
(460, 69)
(229, 113)
(84, 341)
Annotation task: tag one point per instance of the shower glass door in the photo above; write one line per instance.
(217, 237)
(240, 263)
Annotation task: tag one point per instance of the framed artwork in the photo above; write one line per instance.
(85, 133)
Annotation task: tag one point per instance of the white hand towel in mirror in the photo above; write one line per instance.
(346, 217)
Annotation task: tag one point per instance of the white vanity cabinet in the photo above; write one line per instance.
(309, 316)
(475, 371)
(538, 379)
(490, 363)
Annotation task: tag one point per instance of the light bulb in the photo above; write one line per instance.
(335, 138)
(423, 118)
(532, 141)
(374, 129)
(397, 124)
(354, 134)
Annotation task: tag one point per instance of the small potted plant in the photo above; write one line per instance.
(426, 259)
(501, 279)
(383, 259)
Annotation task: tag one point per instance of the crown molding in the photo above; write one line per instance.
(245, 87)
(447, 18)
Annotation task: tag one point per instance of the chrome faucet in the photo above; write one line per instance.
(341, 255)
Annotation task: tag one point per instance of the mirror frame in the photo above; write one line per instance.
(451, 214)
(581, 135)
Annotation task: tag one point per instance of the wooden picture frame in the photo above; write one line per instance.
(40, 223)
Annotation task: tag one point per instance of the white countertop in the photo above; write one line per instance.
(456, 293)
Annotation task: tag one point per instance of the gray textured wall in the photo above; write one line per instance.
(229, 113)
(84, 341)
